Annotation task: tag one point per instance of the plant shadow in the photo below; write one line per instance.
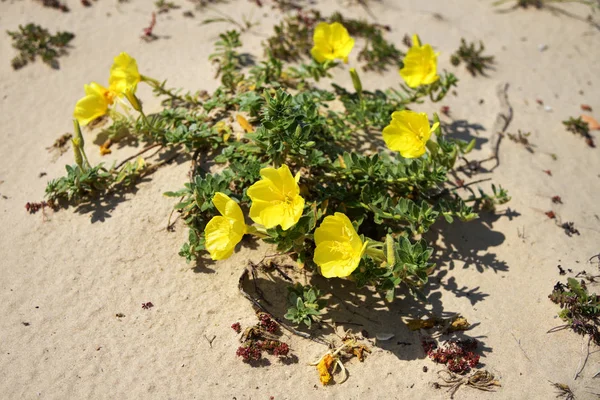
(101, 206)
(464, 130)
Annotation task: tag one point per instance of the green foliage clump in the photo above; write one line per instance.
(579, 309)
(305, 306)
(473, 58)
(579, 127)
(292, 39)
(331, 137)
(32, 41)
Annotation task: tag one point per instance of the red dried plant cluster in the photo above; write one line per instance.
(265, 322)
(259, 339)
(458, 355)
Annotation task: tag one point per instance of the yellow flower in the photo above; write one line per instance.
(332, 41)
(408, 133)
(276, 198)
(95, 103)
(223, 233)
(420, 65)
(339, 248)
(124, 75)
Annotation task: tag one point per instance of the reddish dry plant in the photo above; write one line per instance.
(550, 214)
(585, 107)
(539, 101)
(445, 110)
(148, 32)
(236, 327)
(147, 306)
(458, 355)
(547, 172)
(265, 322)
(32, 208)
(249, 352)
(556, 200)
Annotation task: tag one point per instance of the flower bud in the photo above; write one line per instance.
(356, 80)
(133, 100)
(77, 153)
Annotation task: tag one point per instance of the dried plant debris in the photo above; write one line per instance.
(32, 41)
(56, 4)
(332, 360)
(521, 138)
(563, 391)
(452, 324)
(580, 127)
(260, 338)
(569, 228)
(164, 6)
(473, 57)
(579, 309)
(545, 3)
(481, 380)
(457, 354)
(60, 145)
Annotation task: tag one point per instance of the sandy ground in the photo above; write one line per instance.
(67, 274)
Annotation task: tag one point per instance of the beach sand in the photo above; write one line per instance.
(65, 275)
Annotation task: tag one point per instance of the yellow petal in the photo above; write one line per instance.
(420, 65)
(415, 41)
(221, 235)
(244, 123)
(124, 74)
(339, 248)
(276, 198)
(227, 207)
(93, 105)
(407, 133)
(269, 214)
(292, 213)
(331, 41)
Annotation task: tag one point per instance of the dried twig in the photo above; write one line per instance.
(481, 380)
(139, 153)
(582, 360)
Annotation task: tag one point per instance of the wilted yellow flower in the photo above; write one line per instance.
(276, 198)
(339, 248)
(332, 42)
(420, 65)
(323, 367)
(223, 233)
(408, 133)
(124, 75)
(95, 103)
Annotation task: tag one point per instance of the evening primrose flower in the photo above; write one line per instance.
(224, 232)
(124, 75)
(332, 41)
(339, 248)
(408, 133)
(420, 65)
(276, 198)
(94, 104)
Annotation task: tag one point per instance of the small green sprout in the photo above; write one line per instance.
(32, 41)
